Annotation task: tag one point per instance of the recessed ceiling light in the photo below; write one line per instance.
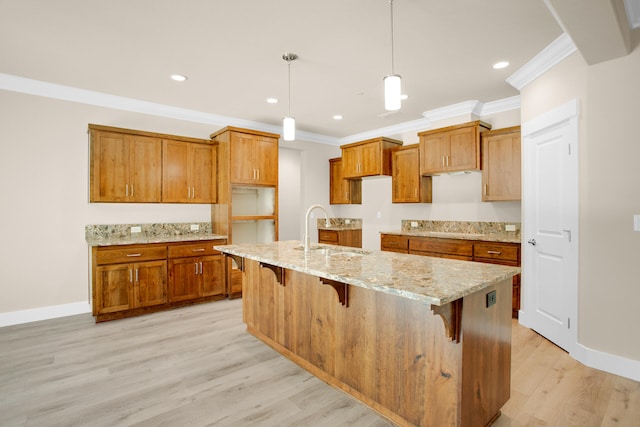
(337, 117)
(272, 100)
(178, 77)
(501, 64)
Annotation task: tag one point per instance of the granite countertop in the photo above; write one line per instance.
(141, 238)
(429, 280)
(503, 237)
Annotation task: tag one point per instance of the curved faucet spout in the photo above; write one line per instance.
(307, 238)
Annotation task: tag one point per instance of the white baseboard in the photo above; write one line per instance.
(607, 362)
(43, 313)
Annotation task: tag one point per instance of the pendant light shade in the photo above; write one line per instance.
(392, 92)
(289, 128)
(289, 122)
(392, 82)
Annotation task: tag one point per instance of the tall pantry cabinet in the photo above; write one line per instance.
(247, 208)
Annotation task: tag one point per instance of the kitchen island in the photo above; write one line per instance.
(424, 341)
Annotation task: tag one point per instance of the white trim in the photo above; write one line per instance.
(632, 7)
(557, 115)
(44, 313)
(558, 50)
(607, 362)
(454, 110)
(414, 125)
(505, 104)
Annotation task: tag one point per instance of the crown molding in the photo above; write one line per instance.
(500, 105)
(466, 107)
(551, 55)
(410, 126)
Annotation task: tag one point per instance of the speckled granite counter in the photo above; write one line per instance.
(463, 230)
(120, 234)
(429, 280)
(340, 224)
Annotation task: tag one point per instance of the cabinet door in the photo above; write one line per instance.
(463, 150)
(183, 279)
(212, 275)
(371, 159)
(114, 288)
(501, 167)
(202, 173)
(351, 162)
(110, 167)
(266, 156)
(434, 150)
(341, 190)
(150, 283)
(242, 158)
(145, 173)
(175, 172)
(405, 176)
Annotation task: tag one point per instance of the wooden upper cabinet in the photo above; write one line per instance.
(124, 167)
(188, 172)
(254, 159)
(368, 158)
(342, 191)
(408, 186)
(501, 166)
(451, 149)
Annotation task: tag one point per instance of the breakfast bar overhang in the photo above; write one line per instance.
(423, 341)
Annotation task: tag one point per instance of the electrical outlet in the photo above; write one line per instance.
(492, 298)
(136, 229)
(195, 227)
(347, 221)
(414, 224)
(510, 227)
(379, 215)
(636, 222)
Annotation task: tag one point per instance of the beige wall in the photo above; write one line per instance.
(44, 170)
(609, 146)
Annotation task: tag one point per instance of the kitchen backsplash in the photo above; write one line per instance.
(470, 227)
(341, 222)
(111, 231)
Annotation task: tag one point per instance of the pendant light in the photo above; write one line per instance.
(289, 122)
(392, 82)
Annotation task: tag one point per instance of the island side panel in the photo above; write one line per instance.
(263, 302)
(486, 360)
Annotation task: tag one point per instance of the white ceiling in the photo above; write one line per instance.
(231, 51)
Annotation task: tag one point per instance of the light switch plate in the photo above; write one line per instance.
(636, 223)
(136, 229)
(195, 227)
(510, 227)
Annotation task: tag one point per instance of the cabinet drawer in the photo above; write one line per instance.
(130, 253)
(181, 250)
(498, 252)
(441, 255)
(394, 243)
(441, 246)
(328, 236)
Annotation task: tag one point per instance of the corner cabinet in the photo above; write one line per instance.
(129, 280)
(247, 204)
(343, 191)
(368, 158)
(451, 149)
(407, 185)
(501, 165)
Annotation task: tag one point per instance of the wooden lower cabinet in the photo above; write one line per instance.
(467, 250)
(129, 280)
(352, 238)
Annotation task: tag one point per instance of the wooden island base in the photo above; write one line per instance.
(392, 353)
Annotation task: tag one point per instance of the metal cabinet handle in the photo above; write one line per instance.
(130, 275)
(126, 190)
(494, 252)
(137, 275)
(197, 250)
(133, 255)
(200, 267)
(532, 242)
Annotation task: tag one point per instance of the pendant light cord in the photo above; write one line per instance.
(289, 69)
(392, 59)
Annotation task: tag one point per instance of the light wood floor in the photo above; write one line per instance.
(197, 366)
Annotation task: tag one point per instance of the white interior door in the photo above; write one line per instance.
(550, 239)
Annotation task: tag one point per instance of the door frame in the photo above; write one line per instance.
(568, 115)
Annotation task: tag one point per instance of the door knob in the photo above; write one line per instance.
(532, 242)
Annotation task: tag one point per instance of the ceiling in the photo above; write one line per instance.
(231, 51)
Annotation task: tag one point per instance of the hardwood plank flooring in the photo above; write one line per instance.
(196, 366)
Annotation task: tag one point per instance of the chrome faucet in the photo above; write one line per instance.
(307, 238)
